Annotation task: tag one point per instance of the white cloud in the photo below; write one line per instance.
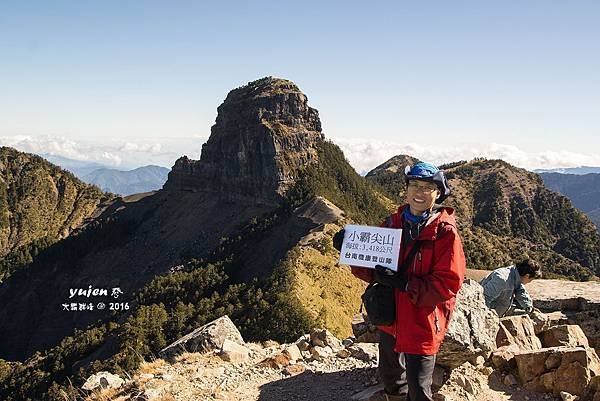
(363, 154)
(54, 145)
(366, 154)
(111, 152)
(111, 159)
(143, 148)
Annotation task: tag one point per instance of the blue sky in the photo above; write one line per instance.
(138, 82)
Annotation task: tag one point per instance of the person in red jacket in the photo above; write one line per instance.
(425, 293)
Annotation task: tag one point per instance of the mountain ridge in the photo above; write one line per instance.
(253, 243)
(40, 204)
(503, 207)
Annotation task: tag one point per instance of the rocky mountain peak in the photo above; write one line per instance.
(264, 132)
(394, 165)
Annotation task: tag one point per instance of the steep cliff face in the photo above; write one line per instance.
(264, 132)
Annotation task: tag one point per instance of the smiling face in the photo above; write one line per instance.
(420, 196)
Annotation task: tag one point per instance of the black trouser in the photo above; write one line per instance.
(405, 374)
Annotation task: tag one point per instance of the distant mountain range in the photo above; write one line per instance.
(79, 168)
(583, 190)
(120, 182)
(571, 170)
(141, 179)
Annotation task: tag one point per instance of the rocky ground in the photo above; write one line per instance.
(483, 358)
(268, 374)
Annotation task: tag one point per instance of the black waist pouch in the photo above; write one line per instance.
(380, 304)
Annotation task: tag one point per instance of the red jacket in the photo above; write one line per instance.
(434, 278)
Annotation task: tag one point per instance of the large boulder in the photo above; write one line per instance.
(518, 330)
(569, 335)
(558, 369)
(206, 338)
(472, 330)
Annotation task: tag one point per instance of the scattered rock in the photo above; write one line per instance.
(275, 362)
(303, 345)
(102, 380)
(324, 338)
(363, 330)
(270, 344)
(348, 341)
(486, 370)
(568, 397)
(319, 353)
(479, 360)
(464, 383)
(146, 376)
(343, 353)
(233, 352)
(293, 370)
(589, 321)
(292, 352)
(510, 380)
(167, 377)
(578, 301)
(153, 394)
(364, 351)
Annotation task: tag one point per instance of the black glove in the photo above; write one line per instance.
(338, 239)
(387, 276)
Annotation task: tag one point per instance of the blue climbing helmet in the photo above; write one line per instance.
(429, 172)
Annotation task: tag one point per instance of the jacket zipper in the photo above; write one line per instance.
(396, 321)
(415, 262)
(437, 325)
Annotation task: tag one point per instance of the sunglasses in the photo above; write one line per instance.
(427, 189)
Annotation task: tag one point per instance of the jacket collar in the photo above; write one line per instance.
(441, 214)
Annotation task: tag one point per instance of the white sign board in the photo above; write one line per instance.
(367, 246)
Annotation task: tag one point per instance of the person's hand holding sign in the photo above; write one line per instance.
(386, 276)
